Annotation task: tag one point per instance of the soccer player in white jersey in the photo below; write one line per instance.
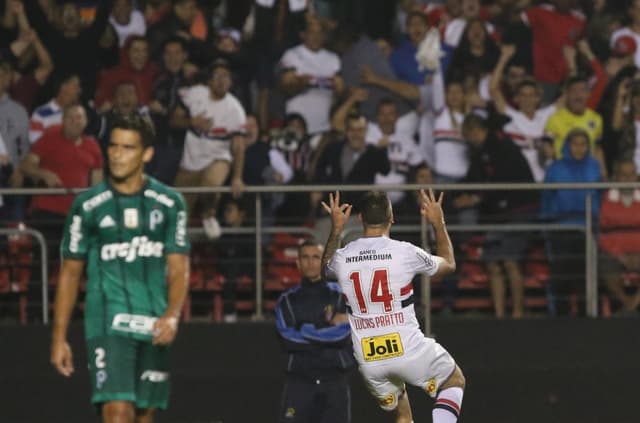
(375, 273)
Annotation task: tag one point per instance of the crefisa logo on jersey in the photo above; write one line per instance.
(382, 347)
(140, 246)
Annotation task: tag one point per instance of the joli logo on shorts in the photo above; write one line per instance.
(382, 347)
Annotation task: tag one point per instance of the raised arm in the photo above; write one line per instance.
(621, 102)
(101, 20)
(339, 118)
(66, 295)
(506, 53)
(431, 210)
(339, 214)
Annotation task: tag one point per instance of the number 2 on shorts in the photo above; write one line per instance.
(100, 353)
(380, 292)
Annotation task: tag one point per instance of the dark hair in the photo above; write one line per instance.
(527, 82)
(417, 14)
(218, 63)
(175, 40)
(576, 79)
(290, 117)
(353, 116)
(138, 123)
(385, 101)
(375, 208)
(308, 243)
(413, 171)
(473, 120)
(60, 79)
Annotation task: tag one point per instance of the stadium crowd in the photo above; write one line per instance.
(272, 92)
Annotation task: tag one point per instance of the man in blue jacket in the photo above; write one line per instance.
(566, 250)
(312, 322)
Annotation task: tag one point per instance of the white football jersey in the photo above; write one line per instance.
(228, 119)
(376, 277)
(403, 152)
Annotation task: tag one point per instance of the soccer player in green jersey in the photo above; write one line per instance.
(131, 232)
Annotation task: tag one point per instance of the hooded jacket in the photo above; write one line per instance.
(143, 78)
(499, 160)
(568, 206)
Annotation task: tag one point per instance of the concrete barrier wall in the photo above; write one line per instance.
(517, 372)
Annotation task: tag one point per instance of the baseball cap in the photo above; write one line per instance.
(232, 33)
(624, 46)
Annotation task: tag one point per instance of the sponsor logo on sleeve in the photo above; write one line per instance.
(181, 229)
(75, 234)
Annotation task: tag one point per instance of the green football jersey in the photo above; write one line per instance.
(124, 239)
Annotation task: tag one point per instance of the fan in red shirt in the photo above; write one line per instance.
(63, 157)
(620, 235)
(553, 27)
(134, 66)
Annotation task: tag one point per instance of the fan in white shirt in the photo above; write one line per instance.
(214, 145)
(126, 20)
(402, 150)
(310, 78)
(375, 273)
(526, 127)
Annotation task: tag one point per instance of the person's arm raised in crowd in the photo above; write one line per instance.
(39, 20)
(97, 27)
(621, 101)
(401, 88)
(339, 118)
(598, 71)
(506, 53)
(45, 64)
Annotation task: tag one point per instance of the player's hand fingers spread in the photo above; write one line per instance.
(348, 212)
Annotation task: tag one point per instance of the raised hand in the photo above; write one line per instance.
(431, 209)
(508, 50)
(339, 213)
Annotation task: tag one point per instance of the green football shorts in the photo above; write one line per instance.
(125, 369)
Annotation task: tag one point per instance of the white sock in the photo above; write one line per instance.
(447, 406)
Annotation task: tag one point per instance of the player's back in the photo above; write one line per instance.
(376, 276)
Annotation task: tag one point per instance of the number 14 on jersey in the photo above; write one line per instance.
(379, 293)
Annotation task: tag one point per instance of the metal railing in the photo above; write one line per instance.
(590, 266)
